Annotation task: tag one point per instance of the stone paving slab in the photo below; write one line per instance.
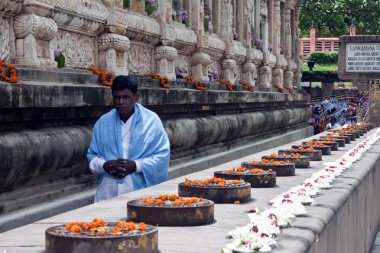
(212, 238)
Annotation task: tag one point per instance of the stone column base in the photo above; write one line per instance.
(165, 56)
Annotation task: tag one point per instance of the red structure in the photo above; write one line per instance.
(314, 44)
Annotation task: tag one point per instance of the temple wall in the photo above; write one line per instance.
(126, 40)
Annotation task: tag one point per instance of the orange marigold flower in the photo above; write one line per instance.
(98, 222)
(142, 226)
(102, 231)
(75, 229)
(116, 230)
(177, 202)
(270, 170)
(237, 202)
(159, 202)
(86, 225)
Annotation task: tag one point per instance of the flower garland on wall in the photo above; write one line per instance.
(226, 83)
(259, 235)
(246, 84)
(197, 83)
(13, 78)
(164, 81)
(106, 77)
(279, 88)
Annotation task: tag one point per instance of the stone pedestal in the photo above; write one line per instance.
(265, 76)
(278, 76)
(249, 73)
(200, 61)
(289, 79)
(165, 56)
(112, 53)
(36, 40)
(229, 67)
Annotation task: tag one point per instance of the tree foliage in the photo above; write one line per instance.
(332, 18)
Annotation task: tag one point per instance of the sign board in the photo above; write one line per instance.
(359, 57)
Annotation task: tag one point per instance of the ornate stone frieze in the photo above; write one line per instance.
(185, 35)
(78, 49)
(216, 43)
(142, 23)
(139, 59)
(115, 41)
(184, 48)
(90, 9)
(10, 7)
(4, 39)
(75, 23)
(145, 38)
(40, 27)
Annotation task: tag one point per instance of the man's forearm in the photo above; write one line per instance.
(96, 165)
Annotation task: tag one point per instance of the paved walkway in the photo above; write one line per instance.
(376, 245)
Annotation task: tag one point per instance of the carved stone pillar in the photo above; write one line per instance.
(165, 56)
(288, 31)
(200, 61)
(298, 73)
(247, 19)
(289, 79)
(115, 3)
(278, 76)
(264, 24)
(265, 76)
(276, 34)
(112, 53)
(239, 21)
(228, 68)
(36, 40)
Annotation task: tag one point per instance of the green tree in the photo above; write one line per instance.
(332, 18)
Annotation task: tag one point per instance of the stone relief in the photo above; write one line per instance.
(11, 6)
(42, 28)
(182, 61)
(139, 59)
(149, 39)
(4, 39)
(142, 23)
(78, 49)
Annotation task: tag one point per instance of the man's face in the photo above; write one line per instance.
(124, 101)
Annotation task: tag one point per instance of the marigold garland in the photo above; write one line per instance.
(197, 83)
(13, 78)
(226, 83)
(164, 81)
(106, 77)
(246, 84)
(279, 88)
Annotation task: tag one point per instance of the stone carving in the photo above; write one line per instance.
(40, 27)
(165, 56)
(78, 49)
(229, 67)
(265, 76)
(199, 63)
(249, 73)
(278, 76)
(289, 78)
(183, 61)
(11, 6)
(111, 3)
(112, 54)
(4, 39)
(248, 9)
(139, 59)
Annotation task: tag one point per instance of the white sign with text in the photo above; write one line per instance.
(363, 57)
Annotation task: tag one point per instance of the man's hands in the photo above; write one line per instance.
(119, 168)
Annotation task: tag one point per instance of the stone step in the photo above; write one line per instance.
(43, 197)
(57, 75)
(44, 187)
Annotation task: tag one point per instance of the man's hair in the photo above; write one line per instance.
(124, 82)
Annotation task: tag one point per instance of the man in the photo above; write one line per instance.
(129, 149)
(332, 125)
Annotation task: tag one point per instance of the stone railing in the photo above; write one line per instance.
(101, 33)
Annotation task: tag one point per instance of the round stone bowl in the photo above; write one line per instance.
(264, 180)
(315, 155)
(352, 136)
(340, 140)
(190, 215)
(326, 150)
(282, 170)
(333, 145)
(218, 194)
(59, 241)
(299, 162)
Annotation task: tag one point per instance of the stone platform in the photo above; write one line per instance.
(346, 218)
